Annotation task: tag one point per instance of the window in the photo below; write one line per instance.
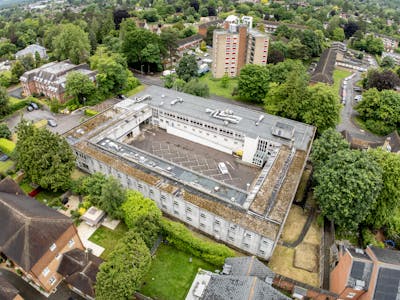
(71, 242)
(53, 247)
(52, 280)
(351, 295)
(202, 225)
(46, 272)
(58, 256)
(203, 215)
(217, 222)
(246, 245)
(189, 218)
(164, 206)
(231, 238)
(188, 209)
(248, 235)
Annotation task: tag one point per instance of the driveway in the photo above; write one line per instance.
(16, 93)
(64, 122)
(348, 113)
(29, 293)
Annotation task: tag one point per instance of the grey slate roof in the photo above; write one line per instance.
(387, 284)
(190, 39)
(360, 273)
(28, 227)
(249, 266)
(223, 287)
(324, 70)
(196, 106)
(386, 255)
(7, 290)
(80, 270)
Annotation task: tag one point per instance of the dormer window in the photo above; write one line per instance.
(53, 247)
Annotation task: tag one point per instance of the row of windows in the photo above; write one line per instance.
(201, 124)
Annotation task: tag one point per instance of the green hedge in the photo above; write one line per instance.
(90, 112)
(183, 239)
(6, 146)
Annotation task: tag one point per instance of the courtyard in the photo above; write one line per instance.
(196, 157)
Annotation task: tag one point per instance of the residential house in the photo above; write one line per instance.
(79, 268)
(241, 278)
(31, 50)
(389, 43)
(371, 274)
(50, 79)
(33, 236)
(189, 43)
(8, 291)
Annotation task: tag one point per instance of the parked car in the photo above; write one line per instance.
(52, 123)
(222, 168)
(29, 108)
(34, 105)
(358, 98)
(3, 157)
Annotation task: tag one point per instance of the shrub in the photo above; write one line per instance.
(183, 239)
(90, 112)
(6, 146)
(369, 239)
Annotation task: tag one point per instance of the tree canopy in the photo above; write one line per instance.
(380, 110)
(4, 102)
(348, 185)
(45, 157)
(71, 43)
(142, 215)
(79, 86)
(326, 146)
(253, 82)
(121, 275)
(187, 67)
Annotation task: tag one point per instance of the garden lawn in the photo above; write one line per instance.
(5, 166)
(216, 88)
(136, 90)
(171, 274)
(108, 238)
(338, 76)
(46, 196)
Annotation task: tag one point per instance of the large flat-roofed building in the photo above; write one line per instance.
(226, 170)
(236, 45)
(50, 79)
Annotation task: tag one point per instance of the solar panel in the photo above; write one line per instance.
(357, 270)
(387, 284)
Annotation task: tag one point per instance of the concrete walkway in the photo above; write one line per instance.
(85, 232)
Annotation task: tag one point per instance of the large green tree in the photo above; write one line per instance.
(380, 110)
(387, 202)
(187, 67)
(79, 86)
(4, 102)
(142, 215)
(71, 43)
(322, 108)
(113, 195)
(121, 275)
(326, 146)
(348, 185)
(45, 157)
(288, 99)
(253, 83)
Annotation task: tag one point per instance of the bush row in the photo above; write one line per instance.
(182, 238)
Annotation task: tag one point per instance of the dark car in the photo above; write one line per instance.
(34, 105)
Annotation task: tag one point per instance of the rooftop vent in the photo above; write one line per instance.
(260, 120)
(226, 269)
(177, 100)
(227, 115)
(216, 188)
(359, 251)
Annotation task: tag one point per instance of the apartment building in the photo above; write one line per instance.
(228, 171)
(236, 45)
(50, 79)
(33, 236)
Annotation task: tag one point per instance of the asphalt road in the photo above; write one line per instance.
(64, 122)
(348, 113)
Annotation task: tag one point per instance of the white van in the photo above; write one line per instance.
(222, 168)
